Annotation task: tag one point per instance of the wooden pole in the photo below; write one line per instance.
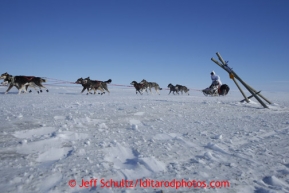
(245, 98)
(234, 75)
(220, 58)
(249, 89)
(221, 65)
(260, 95)
(240, 89)
(249, 97)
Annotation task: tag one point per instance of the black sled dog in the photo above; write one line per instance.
(22, 82)
(93, 84)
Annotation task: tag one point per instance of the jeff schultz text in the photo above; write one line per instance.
(149, 183)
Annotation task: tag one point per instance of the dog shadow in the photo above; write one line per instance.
(68, 93)
(9, 93)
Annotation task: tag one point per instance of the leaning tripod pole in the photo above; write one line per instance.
(240, 89)
(234, 76)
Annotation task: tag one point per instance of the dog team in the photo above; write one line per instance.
(23, 82)
(145, 85)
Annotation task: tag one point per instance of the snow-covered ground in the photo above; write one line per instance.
(48, 140)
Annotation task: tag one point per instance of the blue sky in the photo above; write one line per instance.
(165, 41)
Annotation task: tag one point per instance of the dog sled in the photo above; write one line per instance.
(214, 90)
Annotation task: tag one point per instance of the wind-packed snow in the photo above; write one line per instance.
(49, 139)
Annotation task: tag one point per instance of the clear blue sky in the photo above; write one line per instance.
(165, 41)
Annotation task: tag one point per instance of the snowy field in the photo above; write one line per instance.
(53, 141)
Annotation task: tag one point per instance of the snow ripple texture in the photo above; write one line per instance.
(50, 138)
